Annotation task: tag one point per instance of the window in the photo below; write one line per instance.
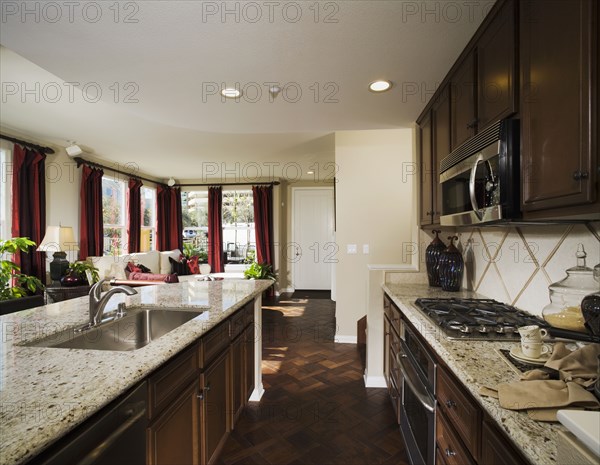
(148, 222)
(194, 214)
(5, 193)
(113, 215)
(239, 238)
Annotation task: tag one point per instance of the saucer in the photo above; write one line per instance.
(518, 354)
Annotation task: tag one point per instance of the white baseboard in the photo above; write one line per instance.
(345, 339)
(257, 394)
(374, 381)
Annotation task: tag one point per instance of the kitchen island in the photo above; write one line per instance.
(476, 364)
(47, 392)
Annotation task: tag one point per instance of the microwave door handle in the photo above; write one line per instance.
(472, 186)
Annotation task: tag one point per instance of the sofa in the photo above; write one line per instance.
(112, 267)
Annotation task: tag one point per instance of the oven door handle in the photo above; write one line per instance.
(474, 204)
(412, 378)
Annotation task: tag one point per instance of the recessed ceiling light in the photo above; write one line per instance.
(230, 92)
(310, 172)
(380, 86)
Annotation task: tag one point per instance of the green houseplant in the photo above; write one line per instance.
(13, 283)
(260, 271)
(78, 270)
(189, 251)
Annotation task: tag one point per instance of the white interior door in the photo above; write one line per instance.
(314, 247)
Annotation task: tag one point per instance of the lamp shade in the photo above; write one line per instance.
(58, 239)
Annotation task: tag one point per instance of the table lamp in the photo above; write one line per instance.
(58, 239)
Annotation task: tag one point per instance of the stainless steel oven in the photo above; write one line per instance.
(480, 179)
(417, 407)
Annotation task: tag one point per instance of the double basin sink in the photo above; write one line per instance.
(133, 330)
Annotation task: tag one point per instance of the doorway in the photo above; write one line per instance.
(315, 250)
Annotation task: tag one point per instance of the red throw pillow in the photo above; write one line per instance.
(167, 278)
(132, 268)
(193, 265)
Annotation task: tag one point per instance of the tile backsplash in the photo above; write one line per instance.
(516, 265)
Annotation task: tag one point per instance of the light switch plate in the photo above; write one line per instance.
(366, 249)
(351, 249)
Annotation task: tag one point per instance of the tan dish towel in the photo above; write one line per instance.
(542, 397)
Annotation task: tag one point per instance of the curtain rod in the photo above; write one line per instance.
(264, 183)
(80, 161)
(40, 148)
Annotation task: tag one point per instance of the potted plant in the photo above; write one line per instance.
(260, 271)
(77, 274)
(189, 251)
(17, 290)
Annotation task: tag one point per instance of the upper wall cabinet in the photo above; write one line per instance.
(462, 95)
(496, 68)
(426, 171)
(559, 60)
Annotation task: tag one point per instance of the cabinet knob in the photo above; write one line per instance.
(200, 395)
(450, 453)
(450, 403)
(579, 175)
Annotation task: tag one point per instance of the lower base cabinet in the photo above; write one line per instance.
(215, 389)
(173, 437)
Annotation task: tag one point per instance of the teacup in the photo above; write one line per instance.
(532, 333)
(533, 349)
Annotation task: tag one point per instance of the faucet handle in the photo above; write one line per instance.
(96, 289)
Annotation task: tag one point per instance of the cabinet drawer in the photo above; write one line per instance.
(213, 343)
(448, 444)
(238, 323)
(460, 409)
(166, 384)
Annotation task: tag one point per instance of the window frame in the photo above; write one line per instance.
(152, 227)
(124, 246)
(6, 162)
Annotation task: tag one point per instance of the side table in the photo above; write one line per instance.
(54, 294)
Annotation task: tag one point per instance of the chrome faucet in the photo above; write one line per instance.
(98, 302)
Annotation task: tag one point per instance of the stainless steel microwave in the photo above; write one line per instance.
(480, 180)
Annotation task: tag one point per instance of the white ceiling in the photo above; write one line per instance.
(178, 52)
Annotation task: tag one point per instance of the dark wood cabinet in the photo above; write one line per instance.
(426, 171)
(495, 450)
(238, 388)
(391, 348)
(496, 68)
(559, 65)
(215, 393)
(173, 437)
(448, 444)
(249, 358)
(463, 119)
(440, 117)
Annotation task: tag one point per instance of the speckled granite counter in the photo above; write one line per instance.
(46, 392)
(478, 364)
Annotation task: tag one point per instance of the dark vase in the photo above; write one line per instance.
(451, 267)
(590, 309)
(432, 259)
(71, 280)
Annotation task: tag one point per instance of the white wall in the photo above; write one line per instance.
(375, 205)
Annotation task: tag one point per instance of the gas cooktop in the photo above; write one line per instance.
(477, 319)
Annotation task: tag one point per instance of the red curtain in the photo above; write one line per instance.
(91, 230)
(29, 207)
(169, 228)
(263, 222)
(134, 207)
(215, 229)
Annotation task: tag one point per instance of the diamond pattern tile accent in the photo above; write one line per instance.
(515, 264)
(564, 257)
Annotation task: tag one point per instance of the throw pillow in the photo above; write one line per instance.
(144, 269)
(180, 268)
(193, 265)
(132, 268)
(167, 278)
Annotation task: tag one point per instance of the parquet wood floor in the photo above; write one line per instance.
(315, 409)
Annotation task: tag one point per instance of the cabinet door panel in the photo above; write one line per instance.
(173, 437)
(441, 147)
(215, 406)
(237, 377)
(558, 130)
(496, 68)
(249, 338)
(462, 102)
(426, 172)
(495, 449)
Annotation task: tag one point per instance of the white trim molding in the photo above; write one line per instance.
(340, 339)
(374, 381)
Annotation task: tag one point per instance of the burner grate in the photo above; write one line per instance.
(477, 318)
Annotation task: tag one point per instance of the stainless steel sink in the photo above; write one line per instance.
(136, 329)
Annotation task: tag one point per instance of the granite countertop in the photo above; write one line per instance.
(46, 392)
(477, 364)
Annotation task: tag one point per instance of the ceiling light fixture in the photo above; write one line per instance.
(230, 92)
(380, 86)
